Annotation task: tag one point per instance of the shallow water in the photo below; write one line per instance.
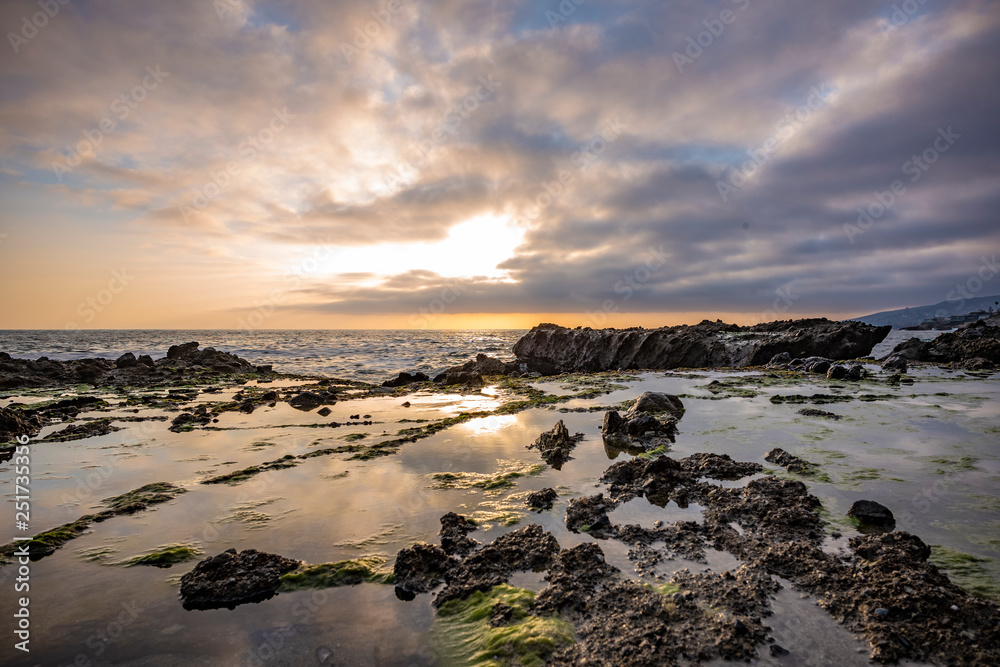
(929, 453)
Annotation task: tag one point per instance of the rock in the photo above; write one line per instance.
(836, 372)
(146, 360)
(187, 420)
(324, 412)
(895, 363)
(812, 412)
(308, 400)
(483, 365)
(872, 513)
(14, 423)
(541, 500)
(657, 402)
(977, 340)
(182, 351)
(465, 377)
(421, 567)
(404, 379)
(454, 531)
(550, 349)
(856, 372)
(127, 360)
(978, 364)
(247, 407)
(555, 445)
(816, 364)
(780, 359)
(231, 579)
(640, 432)
(589, 514)
(789, 462)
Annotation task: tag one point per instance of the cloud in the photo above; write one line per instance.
(391, 139)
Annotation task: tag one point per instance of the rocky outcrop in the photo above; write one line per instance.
(873, 515)
(182, 363)
(231, 579)
(972, 345)
(555, 445)
(404, 379)
(649, 423)
(551, 349)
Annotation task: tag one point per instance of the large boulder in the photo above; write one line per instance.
(656, 402)
(978, 340)
(550, 349)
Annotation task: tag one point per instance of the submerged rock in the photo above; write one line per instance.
(551, 349)
(232, 578)
(789, 462)
(308, 400)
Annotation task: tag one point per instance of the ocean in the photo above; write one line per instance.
(353, 354)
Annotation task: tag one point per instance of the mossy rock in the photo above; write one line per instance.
(343, 573)
(471, 632)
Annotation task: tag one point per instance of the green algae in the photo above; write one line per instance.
(351, 437)
(505, 477)
(165, 556)
(655, 453)
(972, 574)
(368, 569)
(47, 542)
(237, 476)
(465, 636)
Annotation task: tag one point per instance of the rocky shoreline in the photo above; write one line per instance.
(881, 587)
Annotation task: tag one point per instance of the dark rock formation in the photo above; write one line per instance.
(895, 363)
(657, 402)
(812, 412)
(541, 500)
(404, 379)
(421, 567)
(454, 534)
(873, 515)
(231, 578)
(978, 340)
(308, 400)
(183, 363)
(649, 423)
(551, 349)
(555, 445)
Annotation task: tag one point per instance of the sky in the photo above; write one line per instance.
(262, 164)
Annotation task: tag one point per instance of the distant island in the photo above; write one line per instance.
(944, 315)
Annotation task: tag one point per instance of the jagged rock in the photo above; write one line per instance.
(404, 379)
(231, 579)
(589, 514)
(127, 360)
(978, 340)
(780, 359)
(856, 372)
(555, 445)
(464, 377)
(421, 567)
(541, 500)
(551, 349)
(182, 351)
(14, 423)
(454, 534)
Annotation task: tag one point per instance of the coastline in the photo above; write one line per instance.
(460, 448)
